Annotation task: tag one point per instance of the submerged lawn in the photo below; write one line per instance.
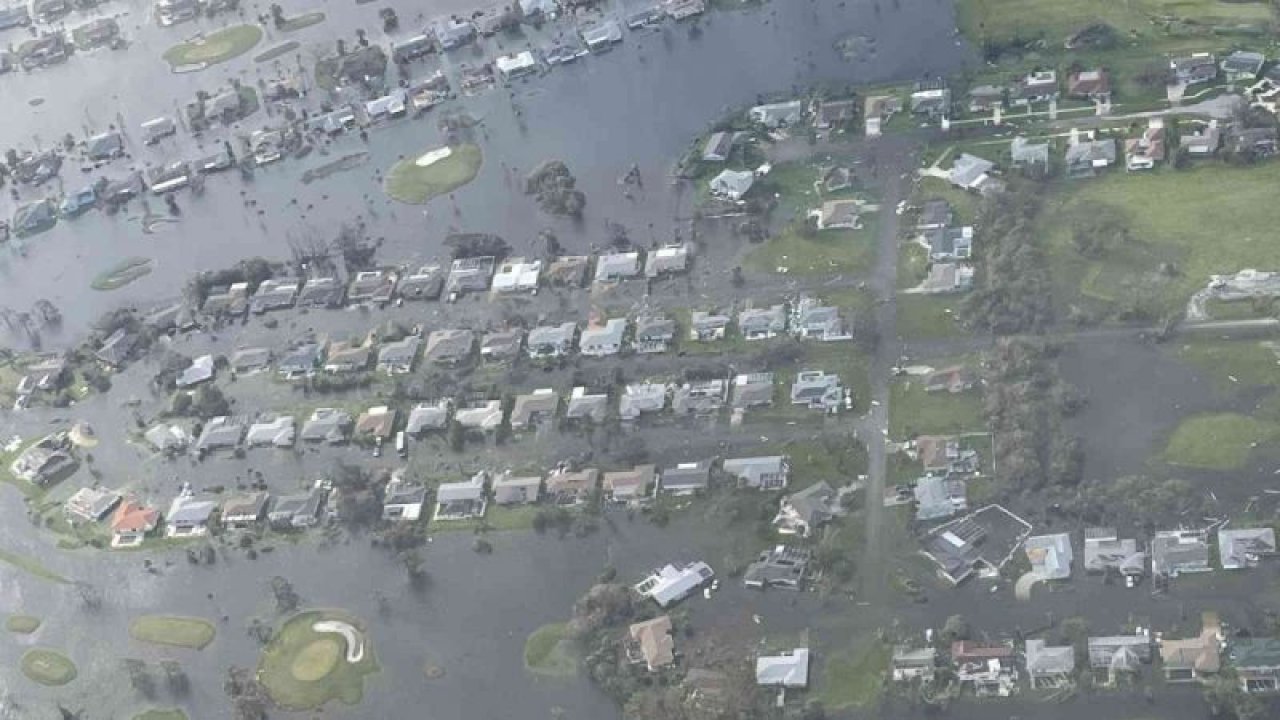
(1212, 219)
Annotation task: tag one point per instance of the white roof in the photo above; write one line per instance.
(472, 489)
(670, 584)
(515, 62)
(517, 274)
(789, 670)
(1050, 555)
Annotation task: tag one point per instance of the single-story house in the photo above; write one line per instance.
(221, 432)
(604, 340)
(1257, 663)
(427, 416)
(752, 390)
(762, 473)
(838, 215)
(654, 333)
(1105, 551)
(833, 113)
(938, 497)
(969, 171)
(535, 408)
(274, 294)
(1049, 666)
(1174, 552)
(396, 358)
(373, 286)
(670, 584)
(1027, 155)
(718, 147)
(1086, 157)
(131, 523)
(568, 271)
(461, 500)
(817, 390)
(322, 292)
(803, 511)
(250, 360)
(376, 422)
(403, 501)
(469, 275)
(640, 398)
(933, 101)
(329, 425)
(116, 348)
(762, 323)
(685, 478)
(587, 405)
(1245, 547)
(776, 115)
(449, 347)
(732, 184)
(1193, 659)
(244, 510)
(276, 431)
(911, 663)
(301, 510)
(1202, 142)
(484, 416)
(781, 566)
(1243, 65)
(629, 485)
(188, 516)
(1049, 555)
(551, 341)
(425, 283)
(1144, 152)
(1193, 69)
(666, 260)
(613, 267)
(786, 670)
(165, 438)
(347, 357)
(571, 487)
(985, 98)
(302, 361)
(704, 397)
(811, 320)
(1089, 84)
(1034, 87)
(501, 345)
(517, 275)
(1119, 653)
(705, 326)
(511, 489)
(652, 643)
(90, 504)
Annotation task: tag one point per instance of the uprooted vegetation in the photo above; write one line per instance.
(553, 186)
(1011, 294)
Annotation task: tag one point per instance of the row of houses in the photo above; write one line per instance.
(994, 669)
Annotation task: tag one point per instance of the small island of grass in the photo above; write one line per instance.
(216, 47)
(187, 632)
(48, 667)
(22, 624)
(122, 273)
(437, 172)
(548, 651)
(316, 657)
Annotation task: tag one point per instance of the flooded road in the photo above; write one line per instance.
(639, 103)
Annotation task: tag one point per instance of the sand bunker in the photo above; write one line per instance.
(435, 156)
(355, 648)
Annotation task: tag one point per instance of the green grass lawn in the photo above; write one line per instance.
(1218, 441)
(854, 678)
(1249, 362)
(1212, 219)
(414, 184)
(286, 679)
(922, 317)
(497, 518)
(306, 20)
(186, 632)
(22, 624)
(912, 411)
(158, 714)
(549, 651)
(829, 252)
(122, 273)
(218, 46)
(48, 667)
(31, 566)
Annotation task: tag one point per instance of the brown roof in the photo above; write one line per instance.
(377, 424)
(133, 516)
(1198, 653)
(968, 651)
(656, 644)
(1085, 83)
(636, 478)
(581, 481)
(932, 450)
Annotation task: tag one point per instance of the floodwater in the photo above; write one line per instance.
(640, 103)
